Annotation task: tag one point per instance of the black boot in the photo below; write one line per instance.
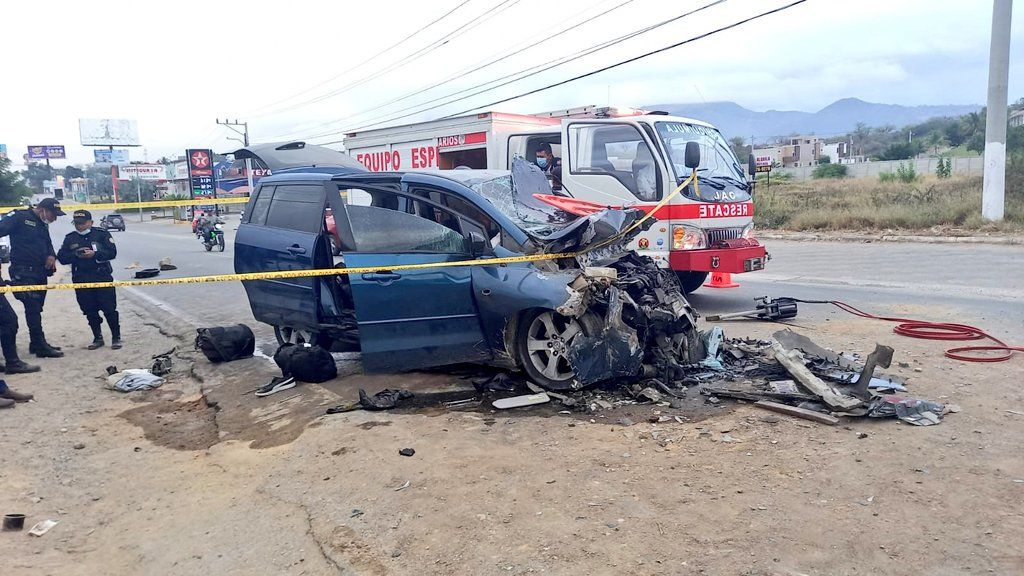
(97, 336)
(113, 320)
(42, 349)
(20, 367)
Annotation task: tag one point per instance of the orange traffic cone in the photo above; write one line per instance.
(721, 280)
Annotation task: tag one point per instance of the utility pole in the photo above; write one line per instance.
(244, 133)
(994, 188)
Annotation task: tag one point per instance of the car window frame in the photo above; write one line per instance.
(250, 209)
(642, 137)
(323, 206)
(410, 199)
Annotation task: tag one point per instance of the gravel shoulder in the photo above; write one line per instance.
(200, 476)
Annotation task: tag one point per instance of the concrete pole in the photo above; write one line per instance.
(994, 187)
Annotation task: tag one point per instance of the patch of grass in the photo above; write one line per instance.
(868, 204)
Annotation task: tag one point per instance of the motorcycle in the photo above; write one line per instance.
(214, 237)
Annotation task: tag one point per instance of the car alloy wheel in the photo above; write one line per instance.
(543, 346)
(289, 335)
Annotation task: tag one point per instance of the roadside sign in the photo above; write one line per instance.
(142, 172)
(763, 163)
(200, 172)
(110, 157)
(52, 152)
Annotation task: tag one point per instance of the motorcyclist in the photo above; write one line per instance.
(206, 227)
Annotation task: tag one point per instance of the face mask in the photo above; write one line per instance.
(542, 162)
(84, 232)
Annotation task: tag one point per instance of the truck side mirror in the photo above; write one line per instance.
(691, 158)
(478, 245)
(751, 166)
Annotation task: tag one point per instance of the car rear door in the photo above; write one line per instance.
(283, 231)
(409, 318)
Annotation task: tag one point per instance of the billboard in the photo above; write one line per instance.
(3, 150)
(200, 173)
(142, 172)
(109, 157)
(108, 132)
(54, 152)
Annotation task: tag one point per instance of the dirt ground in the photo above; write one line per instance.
(200, 476)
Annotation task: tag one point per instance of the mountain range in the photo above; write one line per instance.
(839, 117)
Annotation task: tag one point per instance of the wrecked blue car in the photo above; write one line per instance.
(602, 313)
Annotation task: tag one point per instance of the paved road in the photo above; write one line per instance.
(978, 283)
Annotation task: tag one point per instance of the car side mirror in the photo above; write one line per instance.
(691, 158)
(478, 245)
(751, 166)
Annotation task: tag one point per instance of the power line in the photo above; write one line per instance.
(633, 59)
(621, 63)
(526, 73)
(473, 68)
(444, 40)
(368, 60)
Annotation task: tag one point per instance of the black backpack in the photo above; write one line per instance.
(226, 343)
(306, 363)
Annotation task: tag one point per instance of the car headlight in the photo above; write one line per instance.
(688, 237)
(748, 231)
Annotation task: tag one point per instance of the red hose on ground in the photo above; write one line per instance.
(938, 331)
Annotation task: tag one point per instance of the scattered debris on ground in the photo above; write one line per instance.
(789, 375)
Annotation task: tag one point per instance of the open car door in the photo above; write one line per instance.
(282, 231)
(408, 318)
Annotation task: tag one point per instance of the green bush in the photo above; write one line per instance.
(829, 171)
(945, 168)
(906, 173)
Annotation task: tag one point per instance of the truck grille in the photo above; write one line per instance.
(716, 235)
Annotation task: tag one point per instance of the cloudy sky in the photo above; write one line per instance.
(315, 69)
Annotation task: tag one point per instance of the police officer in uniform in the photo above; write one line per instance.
(32, 262)
(89, 251)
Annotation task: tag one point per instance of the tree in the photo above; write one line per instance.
(739, 148)
(73, 172)
(35, 174)
(900, 151)
(12, 189)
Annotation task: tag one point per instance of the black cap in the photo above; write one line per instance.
(52, 205)
(81, 215)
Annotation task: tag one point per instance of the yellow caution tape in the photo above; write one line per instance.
(136, 205)
(285, 274)
(280, 274)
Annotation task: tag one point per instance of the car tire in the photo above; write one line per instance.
(690, 281)
(551, 369)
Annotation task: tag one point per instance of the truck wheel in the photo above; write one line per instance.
(543, 340)
(690, 281)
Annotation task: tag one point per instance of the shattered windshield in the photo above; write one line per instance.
(513, 196)
(720, 174)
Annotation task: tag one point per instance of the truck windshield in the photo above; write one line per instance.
(720, 174)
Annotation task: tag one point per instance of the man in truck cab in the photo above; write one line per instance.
(546, 160)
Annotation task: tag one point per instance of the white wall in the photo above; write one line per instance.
(968, 165)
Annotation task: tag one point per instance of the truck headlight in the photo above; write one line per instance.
(748, 231)
(688, 237)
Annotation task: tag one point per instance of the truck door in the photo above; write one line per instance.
(410, 318)
(610, 162)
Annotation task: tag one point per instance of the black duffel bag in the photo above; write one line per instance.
(226, 343)
(306, 363)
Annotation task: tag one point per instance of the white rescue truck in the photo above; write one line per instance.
(609, 156)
